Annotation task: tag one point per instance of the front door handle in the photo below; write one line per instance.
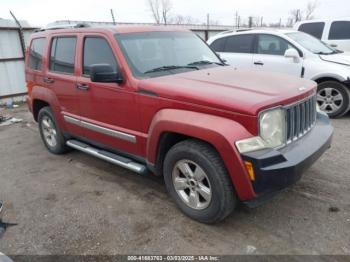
(334, 45)
(83, 87)
(259, 63)
(48, 80)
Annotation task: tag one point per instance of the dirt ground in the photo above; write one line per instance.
(76, 204)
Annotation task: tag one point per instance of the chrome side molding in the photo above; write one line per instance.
(100, 129)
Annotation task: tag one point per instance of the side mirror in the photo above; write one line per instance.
(104, 73)
(292, 53)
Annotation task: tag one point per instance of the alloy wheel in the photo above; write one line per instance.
(330, 100)
(192, 184)
(49, 131)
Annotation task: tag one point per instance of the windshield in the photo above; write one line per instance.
(311, 43)
(154, 54)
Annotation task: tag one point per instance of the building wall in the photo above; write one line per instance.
(12, 79)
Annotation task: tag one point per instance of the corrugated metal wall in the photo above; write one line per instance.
(12, 80)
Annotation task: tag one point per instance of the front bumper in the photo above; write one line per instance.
(277, 169)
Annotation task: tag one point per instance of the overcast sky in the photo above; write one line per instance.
(40, 12)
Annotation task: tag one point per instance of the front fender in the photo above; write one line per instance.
(218, 131)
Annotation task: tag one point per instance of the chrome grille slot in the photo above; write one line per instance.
(300, 118)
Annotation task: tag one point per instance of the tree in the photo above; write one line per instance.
(160, 10)
(166, 8)
(182, 20)
(296, 15)
(310, 9)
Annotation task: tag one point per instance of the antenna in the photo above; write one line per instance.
(112, 14)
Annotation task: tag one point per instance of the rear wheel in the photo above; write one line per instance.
(50, 133)
(197, 180)
(333, 98)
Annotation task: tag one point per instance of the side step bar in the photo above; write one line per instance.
(108, 156)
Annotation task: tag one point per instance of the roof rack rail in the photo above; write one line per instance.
(64, 26)
(82, 25)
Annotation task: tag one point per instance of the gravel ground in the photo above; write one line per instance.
(76, 204)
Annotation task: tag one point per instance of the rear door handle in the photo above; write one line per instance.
(334, 45)
(48, 80)
(83, 87)
(259, 63)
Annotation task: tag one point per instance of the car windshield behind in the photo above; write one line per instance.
(311, 43)
(154, 54)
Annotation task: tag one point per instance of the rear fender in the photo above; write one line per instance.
(48, 96)
(218, 131)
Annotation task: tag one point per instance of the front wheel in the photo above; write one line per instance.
(197, 180)
(333, 98)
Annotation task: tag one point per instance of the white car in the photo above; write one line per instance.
(335, 33)
(294, 53)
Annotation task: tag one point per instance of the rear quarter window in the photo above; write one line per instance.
(36, 52)
(314, 29)
(218, 45)
(340, 30)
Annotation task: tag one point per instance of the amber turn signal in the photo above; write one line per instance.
(250, 169)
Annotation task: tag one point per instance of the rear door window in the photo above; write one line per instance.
(239, 44)
(314, 29)
(97, 51)
(340, 30)
(36, 52)
(63, 54)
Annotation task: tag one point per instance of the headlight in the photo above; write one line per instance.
(272, 132)
(272, 127)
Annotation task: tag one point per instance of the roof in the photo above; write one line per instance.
(11, 24)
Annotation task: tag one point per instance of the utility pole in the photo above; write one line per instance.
(261, 21)
(250, 22)
(208, 21)
(112, 13)
(237, 18)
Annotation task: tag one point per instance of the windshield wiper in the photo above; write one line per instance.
(323, 53)
(171, 67)
(205, 62)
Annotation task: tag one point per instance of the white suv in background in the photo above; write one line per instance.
(294, 53)
(335, 33)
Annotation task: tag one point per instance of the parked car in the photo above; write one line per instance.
(157, 100)
(294, 53)
(335, 33)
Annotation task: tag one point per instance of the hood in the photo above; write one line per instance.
(342, 58)
(225, 88)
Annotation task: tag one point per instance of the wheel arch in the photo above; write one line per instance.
(38, 104)
(171, 126)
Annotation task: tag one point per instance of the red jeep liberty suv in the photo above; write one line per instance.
(159, 100)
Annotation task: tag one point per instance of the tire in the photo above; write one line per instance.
(195, 154)
(48, 127)
(333, 98)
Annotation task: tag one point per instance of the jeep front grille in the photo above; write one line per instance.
(300, 118)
